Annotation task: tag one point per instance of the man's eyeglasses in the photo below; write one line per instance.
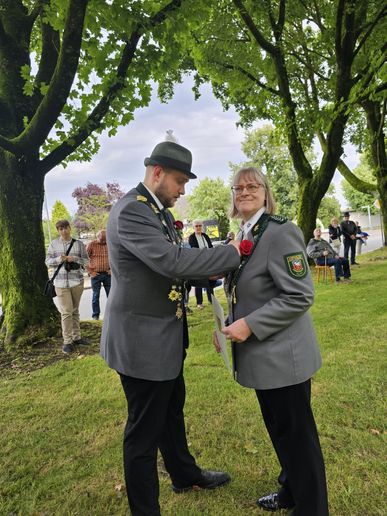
(250, 188)
(198, 226)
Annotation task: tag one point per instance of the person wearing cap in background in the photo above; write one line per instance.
(145, 332)
(349, 230)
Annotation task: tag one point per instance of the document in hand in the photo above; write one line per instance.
(219, 324)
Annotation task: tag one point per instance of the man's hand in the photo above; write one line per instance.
(70, 258)
(353, 237)
(235, 243)
(238, 331)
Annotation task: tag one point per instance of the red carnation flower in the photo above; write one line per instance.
(246, 247)
(178, 225)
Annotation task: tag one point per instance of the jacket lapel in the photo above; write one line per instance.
(144, 192)
(163, 215)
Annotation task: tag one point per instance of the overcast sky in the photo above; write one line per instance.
(202, 126)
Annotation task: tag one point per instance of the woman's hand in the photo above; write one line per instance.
(238, 331)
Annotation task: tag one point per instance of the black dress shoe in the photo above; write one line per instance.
(80, 342)
(271, 503)
(208, 480)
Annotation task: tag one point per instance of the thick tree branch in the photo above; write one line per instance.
(277, 26)
(349, 38)
(295, 147)
(382, 118)
(52, 104)
(94, 120)
(344, 57)
(36, 10)
(258, 36)
(281, 16)
(356, 182)
(8, 145)
(339, 26)
(48, 60)
(273, 23)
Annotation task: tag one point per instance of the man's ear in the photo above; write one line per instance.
(158, 172)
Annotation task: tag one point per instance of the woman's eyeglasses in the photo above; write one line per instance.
(250, 188)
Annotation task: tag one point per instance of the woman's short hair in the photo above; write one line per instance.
(334, 219)
(256, 175)
(197, 222)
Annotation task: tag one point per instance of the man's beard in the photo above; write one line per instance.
(167, 202)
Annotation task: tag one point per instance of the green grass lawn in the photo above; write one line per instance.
(62, 419)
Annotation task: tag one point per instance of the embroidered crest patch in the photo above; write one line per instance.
(296, 265)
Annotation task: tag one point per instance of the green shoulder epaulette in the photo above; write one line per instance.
(278, 218)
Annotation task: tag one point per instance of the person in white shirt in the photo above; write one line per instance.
(68, 282)
(200, 240)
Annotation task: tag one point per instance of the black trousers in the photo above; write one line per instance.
(289, 420)
(155, 420)
(350, 244)
(199, 295)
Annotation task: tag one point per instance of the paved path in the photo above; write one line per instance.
(374, 240)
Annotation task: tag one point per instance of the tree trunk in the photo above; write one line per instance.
(28, 316)
(375, 122)
(308, 205)
(383, 213)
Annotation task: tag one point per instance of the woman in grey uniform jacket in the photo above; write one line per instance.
(274, 345)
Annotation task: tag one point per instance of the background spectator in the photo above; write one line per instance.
(99, 270)
(201, 240)
(69, 282)
(324, 254)
(349, 230)
(335, 235)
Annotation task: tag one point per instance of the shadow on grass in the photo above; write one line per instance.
(44, 353)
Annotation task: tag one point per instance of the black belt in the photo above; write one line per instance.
(102, 272)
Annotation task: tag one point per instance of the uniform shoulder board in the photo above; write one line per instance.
(278, 219)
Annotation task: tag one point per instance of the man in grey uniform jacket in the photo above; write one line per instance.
(145, 329)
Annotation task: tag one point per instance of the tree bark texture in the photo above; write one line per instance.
(28, 315)
(375, 122)
(308, 205)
